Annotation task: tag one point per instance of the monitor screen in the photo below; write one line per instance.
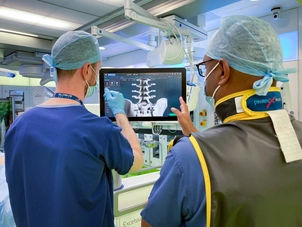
(149, 92)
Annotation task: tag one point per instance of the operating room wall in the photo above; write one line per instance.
(34, 94)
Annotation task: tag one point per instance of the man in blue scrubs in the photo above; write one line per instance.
(235, 174)
(59, 156)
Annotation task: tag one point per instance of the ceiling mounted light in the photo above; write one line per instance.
(16, 32)
(168, 6)
(35, 19)
(159, 9)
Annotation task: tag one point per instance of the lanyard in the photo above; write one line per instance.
(67, 96)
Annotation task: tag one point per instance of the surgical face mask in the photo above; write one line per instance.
(92, 89)
(210, 99)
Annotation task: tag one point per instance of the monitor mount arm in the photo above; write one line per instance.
(136, 13)
(95, 31)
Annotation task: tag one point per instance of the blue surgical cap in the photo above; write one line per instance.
(72, 50)
(250, 45)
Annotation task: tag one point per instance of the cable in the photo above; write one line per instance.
(182, 47)
(189, 54)
(193, 78)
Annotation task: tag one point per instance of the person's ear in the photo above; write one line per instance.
(225, 72)
(85, 70)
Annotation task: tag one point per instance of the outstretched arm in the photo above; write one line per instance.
(116, 103)
(130, 135)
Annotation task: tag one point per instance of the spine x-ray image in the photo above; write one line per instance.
(144, 107)
(146, 94)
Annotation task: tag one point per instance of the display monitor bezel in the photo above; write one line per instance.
(104, 71)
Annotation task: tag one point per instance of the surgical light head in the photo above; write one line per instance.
(72, 50)
(250, 45)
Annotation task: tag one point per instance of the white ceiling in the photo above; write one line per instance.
(82, 14)
(246, 7)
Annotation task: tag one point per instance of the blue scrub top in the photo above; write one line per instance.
(58, 167)
(178, 196)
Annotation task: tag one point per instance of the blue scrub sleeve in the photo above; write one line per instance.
(169, 198)
(120, 155)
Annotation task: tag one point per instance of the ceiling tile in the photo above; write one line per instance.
(13, 25)
(51, 33)
(92, 7)
(72, 16)
(56, 2)
(31, 6)
(256, 9)
(224, 11)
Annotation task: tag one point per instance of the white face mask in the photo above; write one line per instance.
(210, 99)
(92, 89)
